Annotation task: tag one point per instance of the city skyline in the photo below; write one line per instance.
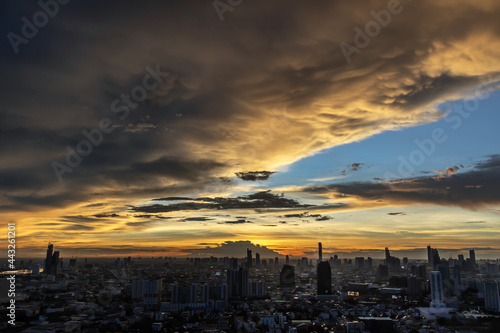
(182, 129)
(432, 255)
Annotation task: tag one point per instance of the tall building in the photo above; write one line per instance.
(444, 269)
(257, 260)
(324, 278)
(320, 251)
(492, 295)
(287, 276)
(387, 254)
(392, 262)
(51, 262)
(436, 290)
(179, 294)
(287, 260)
(54, 269)
(193, 293)
(360, 263)
(472, 256)
(256, 288)
(414, 286)
(422, 271)
(433, 257)
(48, 259)
(237, 282)
(249, 258)
(205, 293)
(149, 291)
(369, 263)
(457, 281)
(429, 255)
(382, 272)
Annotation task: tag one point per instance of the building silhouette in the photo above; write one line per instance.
(249, 258)
(472, 256)
(320, 252)
(436, 290)
(237, 282)
(492, 295)
(287, 276)
(51, 262)
(324, 278)
(149, 291)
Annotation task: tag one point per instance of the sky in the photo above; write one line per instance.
(176, 128)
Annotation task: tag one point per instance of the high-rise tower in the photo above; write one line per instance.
(320, 251)
(324, 278)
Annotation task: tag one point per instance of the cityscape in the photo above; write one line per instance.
(256, 294)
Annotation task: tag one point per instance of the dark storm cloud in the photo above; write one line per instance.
(175, 168)
(453, 190)
(257, 200)
(235, 222)
(197, 218)
(215, 113)
(317, 217)
(254, 175)
(106, 215)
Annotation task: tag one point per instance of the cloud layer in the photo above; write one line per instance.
(260, 90)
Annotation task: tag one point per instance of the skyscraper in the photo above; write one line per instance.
(414, 286)
(433, 257)
(51, 262)
(287, 276)
(324, 278)
(429, 255)
(287, 260)
(249, 258)
(54, 269)
(237, 282)
(149, 291)
(436, 290)
(360, 263)
(233, 263)
(444, 269)
(48, 259)
(257, 260)
(320, 251)
(457, 281)
(492, 295)
(472, 255)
